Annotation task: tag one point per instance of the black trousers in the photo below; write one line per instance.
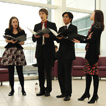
(20, 76)
(44, 69)
(64, 76)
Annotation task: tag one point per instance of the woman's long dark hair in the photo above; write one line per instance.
(99, 17)
(11, 27)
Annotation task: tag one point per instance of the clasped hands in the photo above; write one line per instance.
(14, 41)
(21, 43)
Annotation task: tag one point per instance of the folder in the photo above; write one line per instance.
(44, 31)
(19, 39)
(76, 36)
(64, 33)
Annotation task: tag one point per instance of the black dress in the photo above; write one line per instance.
(93, 49)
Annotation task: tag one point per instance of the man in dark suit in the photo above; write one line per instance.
(66, 55)
(45, 52)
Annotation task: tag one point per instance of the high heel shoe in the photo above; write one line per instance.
(84, 96)
(93, 100)
(23, 93)
(11, 93)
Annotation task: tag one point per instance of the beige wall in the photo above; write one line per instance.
(103, 37)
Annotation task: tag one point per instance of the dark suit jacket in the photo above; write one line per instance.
(94, 43)
(67, 49)
(49, 49)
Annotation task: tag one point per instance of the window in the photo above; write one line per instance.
(41, 1)
(83, 23)
(81, 4)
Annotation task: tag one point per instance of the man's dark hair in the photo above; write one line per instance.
(69, 14)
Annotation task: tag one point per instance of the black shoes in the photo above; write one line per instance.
(23, 93)
(40, 94)
(95, 98)
(84, 96)
(43, 93)
(60, 96)
(11, 93)
(35, 65)
(47, 94)
(67, 98)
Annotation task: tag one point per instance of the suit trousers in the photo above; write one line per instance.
(45, 64)
(64, 76)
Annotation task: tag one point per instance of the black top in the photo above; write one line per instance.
(94, 43)
(10, 32)
(67, 49)
(48, 48)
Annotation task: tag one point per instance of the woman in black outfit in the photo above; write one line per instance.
(14, 55)
(92, 54)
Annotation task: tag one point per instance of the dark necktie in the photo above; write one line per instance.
(65, 27)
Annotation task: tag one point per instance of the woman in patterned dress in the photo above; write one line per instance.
(14, 55)
(92, 54)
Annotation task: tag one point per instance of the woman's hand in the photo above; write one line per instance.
(90, 36)
(75, 41)
(46, 35)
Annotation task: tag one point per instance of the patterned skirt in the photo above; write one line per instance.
(90, 70)
(13, 56)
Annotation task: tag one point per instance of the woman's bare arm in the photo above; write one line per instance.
(8, 41)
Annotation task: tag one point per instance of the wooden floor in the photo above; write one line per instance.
(32, 100)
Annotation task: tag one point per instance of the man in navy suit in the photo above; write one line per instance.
(66, 55)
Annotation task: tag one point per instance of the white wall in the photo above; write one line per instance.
(103, 37)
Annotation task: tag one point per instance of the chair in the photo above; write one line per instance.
(3, 73)
(77, 68)
(55, 69)
(102, 67)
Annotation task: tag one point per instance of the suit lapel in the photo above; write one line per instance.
(40, 26)
(62, 28)
(70, 26)
(47, 24)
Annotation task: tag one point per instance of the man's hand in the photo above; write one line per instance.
(75, 41)
(60, 37)
(36, 36)
(46, 35)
